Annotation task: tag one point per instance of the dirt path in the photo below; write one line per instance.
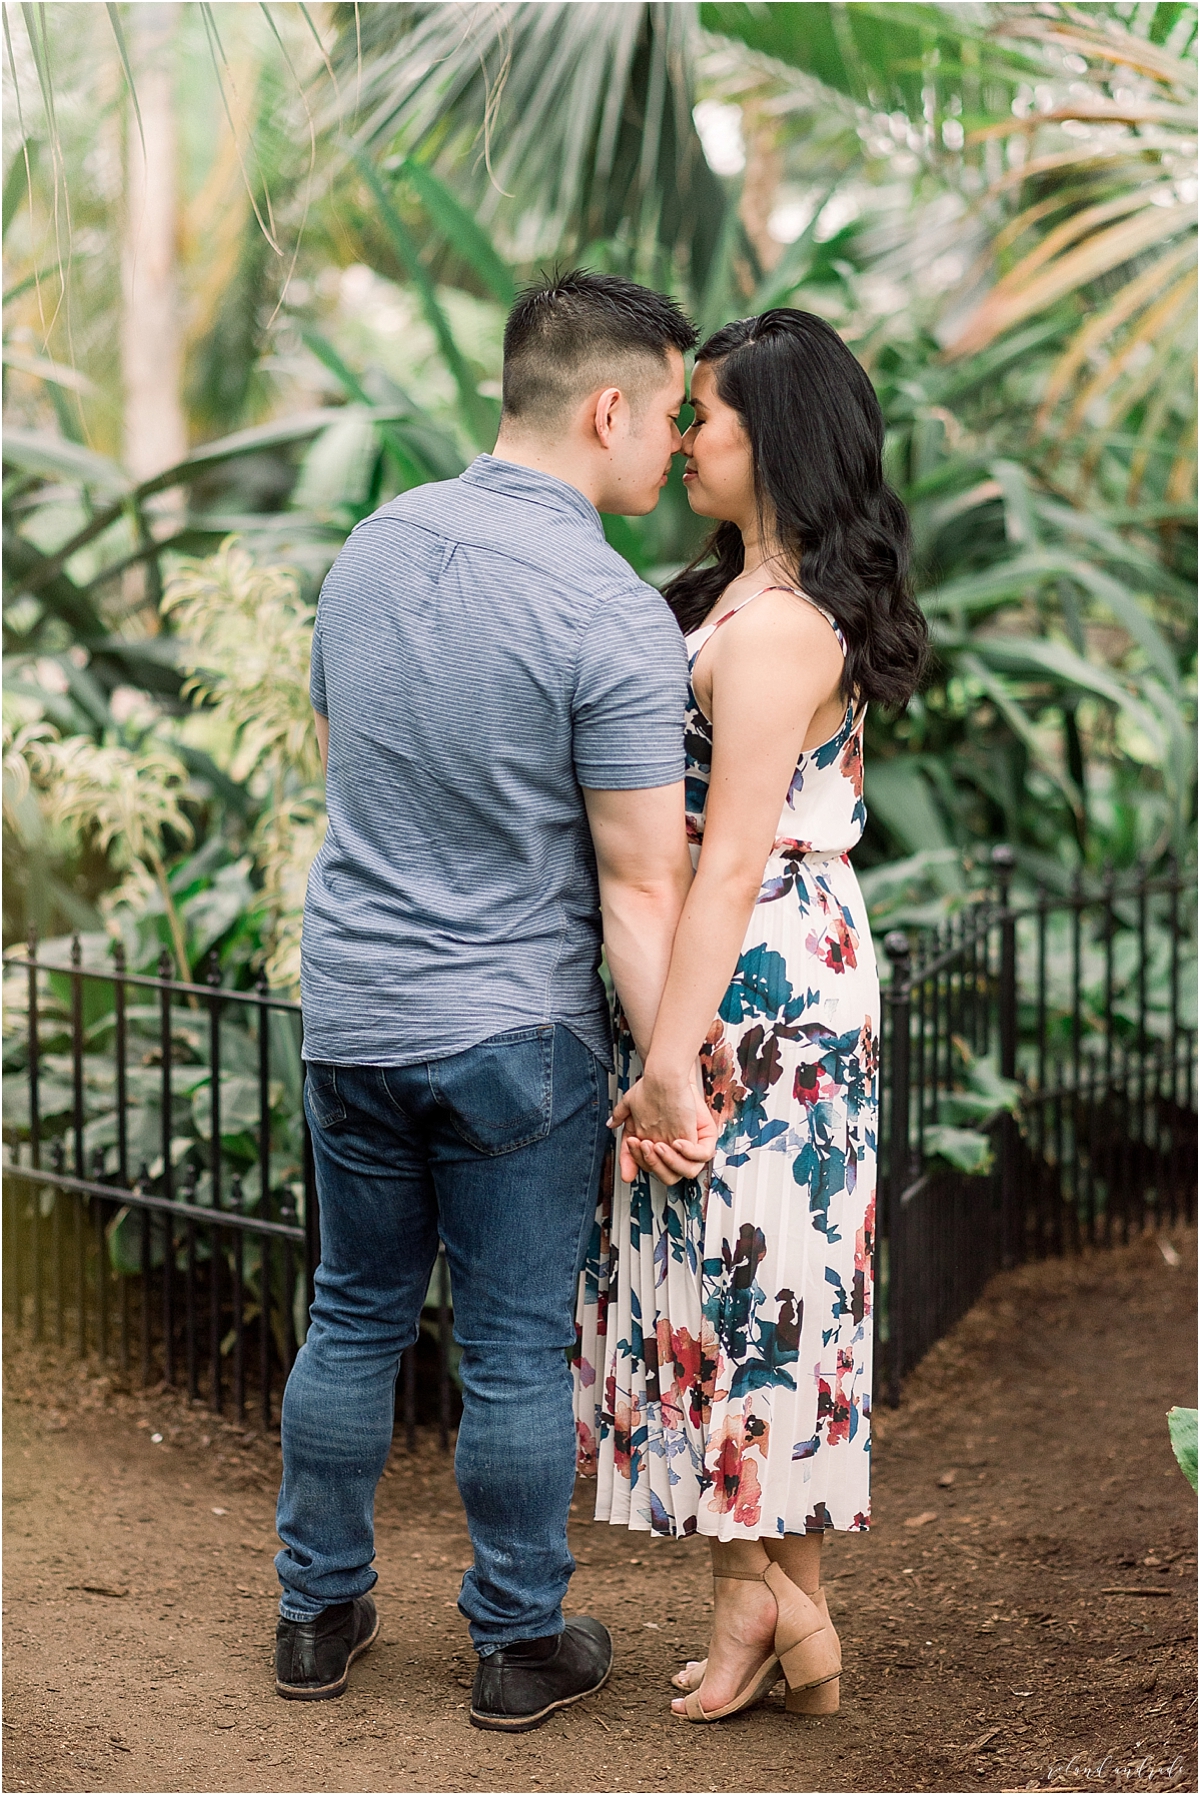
(1026, 1475)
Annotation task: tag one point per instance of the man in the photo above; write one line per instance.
(499, 703)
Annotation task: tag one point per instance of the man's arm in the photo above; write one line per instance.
(645, 872)
(322, 727)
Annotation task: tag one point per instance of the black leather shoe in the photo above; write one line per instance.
(313, 1657)
(520, 1687)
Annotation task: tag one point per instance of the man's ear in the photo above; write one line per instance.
(604, 418)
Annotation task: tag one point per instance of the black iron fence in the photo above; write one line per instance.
(1038, 1091)
(159, 1205)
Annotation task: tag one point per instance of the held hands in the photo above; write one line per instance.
(668, 1130)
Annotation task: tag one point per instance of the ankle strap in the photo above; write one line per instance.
(741, 1576)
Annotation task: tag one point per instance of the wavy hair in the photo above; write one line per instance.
(816, 441)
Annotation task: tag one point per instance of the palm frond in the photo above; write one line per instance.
(1123, 251)
(561, 125)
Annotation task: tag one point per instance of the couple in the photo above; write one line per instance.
(530, 754)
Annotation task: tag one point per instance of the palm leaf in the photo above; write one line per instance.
(36, 452)
(480, 414)
(52, 456)
(16, 184)
(1009, 708)
(1135, 294)
(1012, 579)
(558, 126)
(50, 371)
(462, 231)
(1114, 45)
(1041, 659)
(1018, 296)
(1127, 235)
(885, 56)
(1158, 328)
(114, 19)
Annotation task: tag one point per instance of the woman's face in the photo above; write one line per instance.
(720, 467)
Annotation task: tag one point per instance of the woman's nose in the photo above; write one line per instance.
(688, 441)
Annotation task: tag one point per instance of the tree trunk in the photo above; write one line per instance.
(151, 333)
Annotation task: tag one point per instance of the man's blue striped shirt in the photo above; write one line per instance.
(482, 654)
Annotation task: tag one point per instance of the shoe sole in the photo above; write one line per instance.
(525, 1723)
(327, 1692)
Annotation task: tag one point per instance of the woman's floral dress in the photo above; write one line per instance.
(723, 1354)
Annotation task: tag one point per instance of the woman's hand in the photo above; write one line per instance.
(651, 1148)
(660, 1107)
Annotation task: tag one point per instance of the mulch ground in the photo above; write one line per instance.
(1020, 1617)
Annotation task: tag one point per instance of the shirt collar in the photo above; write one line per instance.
(531, 484)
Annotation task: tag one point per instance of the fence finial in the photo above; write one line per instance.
(1003, 864)
(897, 947)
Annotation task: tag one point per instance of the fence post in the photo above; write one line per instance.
(35, 1131)
(1011, 1228)
(166, 973)
(79, 1161)
(899, 998)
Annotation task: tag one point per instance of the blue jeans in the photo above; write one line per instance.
(497, 1150)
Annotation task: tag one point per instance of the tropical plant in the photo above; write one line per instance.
(129, 801)
(909, 172)
(248, 640)
(567, 128)
(1108, 215)
(1182, 1424)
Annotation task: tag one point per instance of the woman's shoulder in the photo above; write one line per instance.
(779, 619)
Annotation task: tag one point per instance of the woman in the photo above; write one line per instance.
(724, 1362)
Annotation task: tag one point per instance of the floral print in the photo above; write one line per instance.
(723, 1356)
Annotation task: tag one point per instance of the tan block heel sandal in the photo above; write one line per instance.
(807, 1653)
(815, 1697)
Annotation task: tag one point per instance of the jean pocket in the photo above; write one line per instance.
(322, 1099)
(498, 1095)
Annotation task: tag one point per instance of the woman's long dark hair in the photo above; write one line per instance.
(816, 438)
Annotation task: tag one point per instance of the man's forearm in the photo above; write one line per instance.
(639, 929)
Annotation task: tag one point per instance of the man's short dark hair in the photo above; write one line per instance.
(572, 332)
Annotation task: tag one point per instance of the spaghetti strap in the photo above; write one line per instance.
(710, 629)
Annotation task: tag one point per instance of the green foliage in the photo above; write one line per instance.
(963, 1148)
(190, 1122)
(408, 192)
(1182, 1423)
(918, 59)
(248, 642)
(567, 129)
(959, 1136)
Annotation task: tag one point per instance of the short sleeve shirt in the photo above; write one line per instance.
(482, 655)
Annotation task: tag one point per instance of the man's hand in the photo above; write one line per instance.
(669, 1158)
